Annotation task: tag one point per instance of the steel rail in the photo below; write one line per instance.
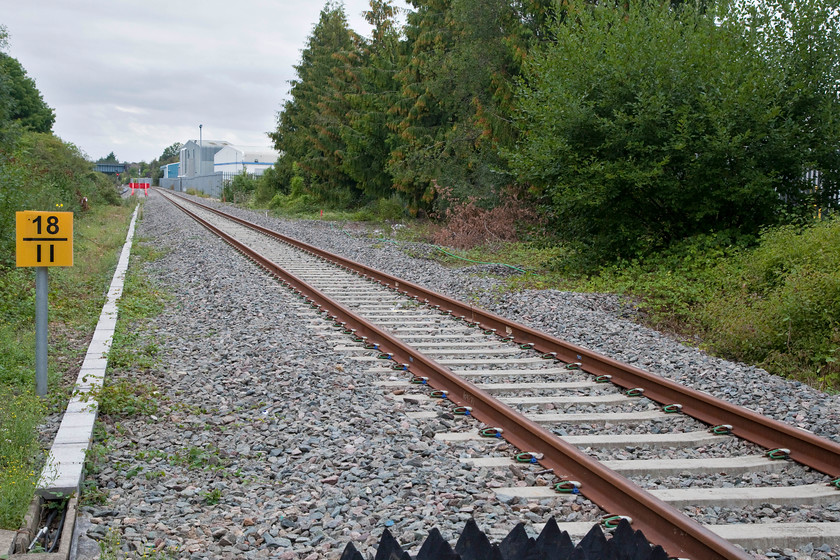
(663, 524)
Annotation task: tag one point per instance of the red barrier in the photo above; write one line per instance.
(140, 185)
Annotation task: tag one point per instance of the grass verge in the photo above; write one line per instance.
(76, 296)
(20, 414)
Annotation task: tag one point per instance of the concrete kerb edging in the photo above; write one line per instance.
(63, 472)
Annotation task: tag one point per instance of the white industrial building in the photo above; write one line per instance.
(208, 157)
(207, 165)
(252, 160)
(197, 157)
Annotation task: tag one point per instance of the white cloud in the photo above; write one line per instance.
(135, 76)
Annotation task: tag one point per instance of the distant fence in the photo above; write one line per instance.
(211, 185)
(814, 179)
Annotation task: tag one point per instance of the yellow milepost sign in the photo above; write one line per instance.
(44, 238)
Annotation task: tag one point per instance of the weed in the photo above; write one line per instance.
(130, 351)
(197, 193)
(58, 503)
(132, 472)
(197, 458)
(100, 434)
(91, 495)
(125, 398)
(94, 458)
(111, 547)
(20, 414)
(212, 497)
(151, 455)
(154, 475)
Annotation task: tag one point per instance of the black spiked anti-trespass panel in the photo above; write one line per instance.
(552, 544)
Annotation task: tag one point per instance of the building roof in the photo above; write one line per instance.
(256, 153)
(211, 143)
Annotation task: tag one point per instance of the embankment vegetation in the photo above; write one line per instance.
(39, 171)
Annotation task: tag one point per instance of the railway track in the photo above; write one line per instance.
(560, 404)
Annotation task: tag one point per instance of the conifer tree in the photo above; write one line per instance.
(369, 133)
(308, 133)
(422, 110)
(457, 106)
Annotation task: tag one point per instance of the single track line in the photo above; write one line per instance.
(362, 319)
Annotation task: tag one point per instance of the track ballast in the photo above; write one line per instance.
(572, 509)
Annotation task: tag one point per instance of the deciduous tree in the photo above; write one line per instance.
(25, 104)
(644, 125)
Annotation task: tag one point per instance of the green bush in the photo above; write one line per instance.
(64, 175)
(290, 204)
(643, 123)
(381, 210)
(780, 303)
(240, 188)
(268, 185)
(773, 301)
(41, 172)
(671, 284)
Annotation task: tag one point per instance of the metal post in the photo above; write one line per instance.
(41, 295)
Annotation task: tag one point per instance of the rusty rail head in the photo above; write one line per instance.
(662, 523)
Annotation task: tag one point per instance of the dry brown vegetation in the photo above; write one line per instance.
(465, 224)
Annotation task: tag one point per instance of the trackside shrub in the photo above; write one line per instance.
(381, 210)
(780, 303)
(240, 188)
(773, 301)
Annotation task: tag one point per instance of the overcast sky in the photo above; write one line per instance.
(135, 76)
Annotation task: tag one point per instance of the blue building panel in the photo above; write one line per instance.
(171, 170)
